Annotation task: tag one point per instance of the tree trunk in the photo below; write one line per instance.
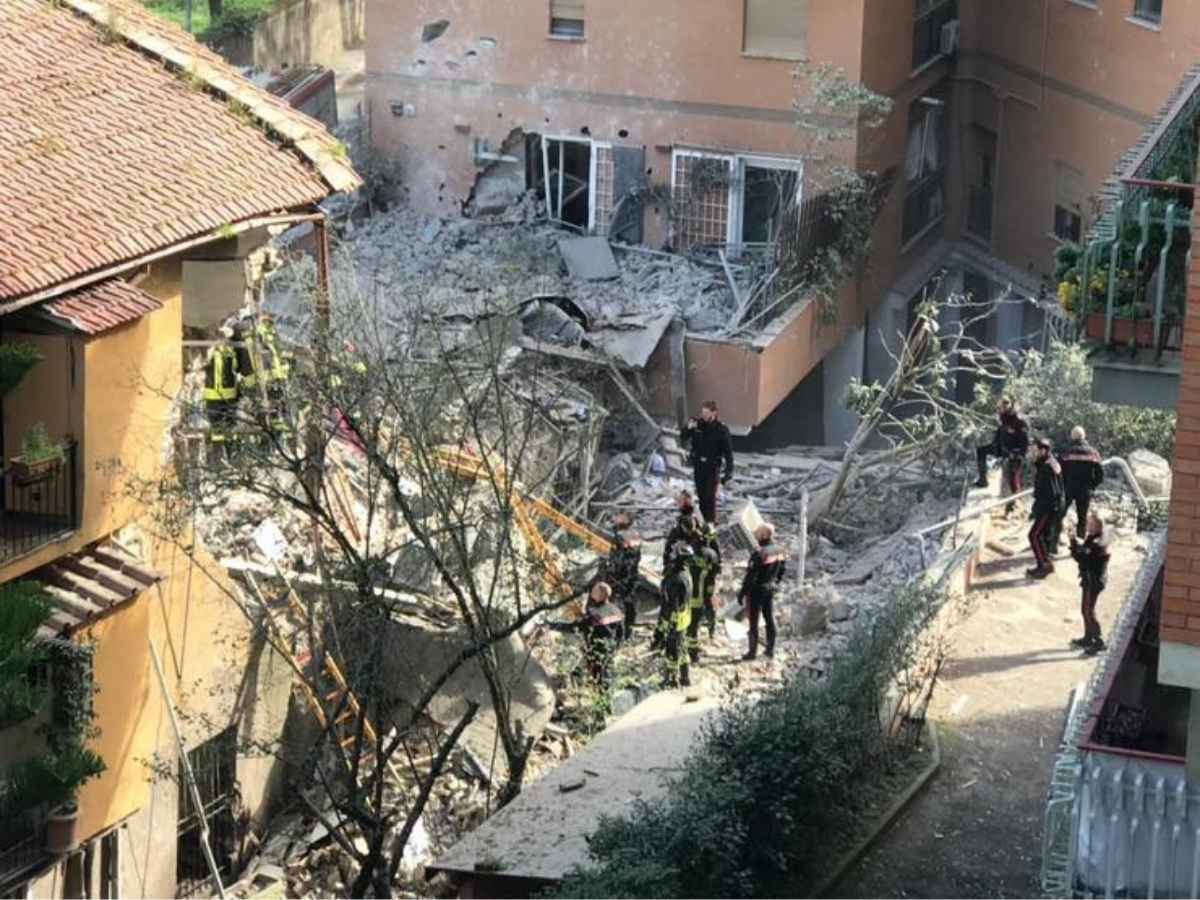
(216, 9)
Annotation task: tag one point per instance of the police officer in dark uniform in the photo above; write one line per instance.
(1082, 473)
(711, 456)
(1011, 444)
(1092, 556)
(763, 576)
(1047, 506)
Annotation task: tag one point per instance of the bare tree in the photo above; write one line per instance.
(405, 439)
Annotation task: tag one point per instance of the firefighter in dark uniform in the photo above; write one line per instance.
(221, 391)
(710, 451)
(713, 544)
(1092, 555)
(677, 608)
(705, 566)
(687, 529)
(1011, 444)
(621, 571)
(763, 576)
(600, 627)
(1082, 473)
(1047, 506)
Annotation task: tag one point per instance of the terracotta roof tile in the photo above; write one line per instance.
(100, 307)
(106, 153)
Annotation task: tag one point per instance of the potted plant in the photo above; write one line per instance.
(52, 781)
(39, 457)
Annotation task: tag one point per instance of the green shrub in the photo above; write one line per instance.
(769, 782)
(16, 359)
(1054, 391)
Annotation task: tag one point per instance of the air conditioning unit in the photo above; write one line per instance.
(948, 45)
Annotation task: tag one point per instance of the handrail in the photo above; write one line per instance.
(1118, 461)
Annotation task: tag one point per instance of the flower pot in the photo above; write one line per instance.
(1124, 331)
(26, 473)
(61, 827)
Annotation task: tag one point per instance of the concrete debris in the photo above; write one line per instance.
(1152, 473)
(589, 258)
(499, 262)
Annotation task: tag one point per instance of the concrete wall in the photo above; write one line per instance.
(1081, 84)
(309, 31)
(652, 75)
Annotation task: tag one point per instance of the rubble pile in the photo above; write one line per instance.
(478, 267)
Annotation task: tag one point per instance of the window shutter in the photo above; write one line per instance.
(777, 28)
(1069, 186)
(566, 9)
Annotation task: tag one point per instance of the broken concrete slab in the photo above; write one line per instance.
(589, 258)
(1152, 473)
(630, 339)
(542, 836)
(417, 654)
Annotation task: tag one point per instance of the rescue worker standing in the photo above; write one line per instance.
(1047, 504)
(763, 576)
(601, 630)
(221, 390)
(1010, 443)
(687, 529)
(1082, 474)
(270, 365)
(705, 565)
(677, 599)
(1092, 555)
(621, 571)
(710, 451)
(711, 544)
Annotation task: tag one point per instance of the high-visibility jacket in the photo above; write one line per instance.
(266, 359)
(220, 375)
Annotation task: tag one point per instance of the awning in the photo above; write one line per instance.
(85, 585)
(100, 307)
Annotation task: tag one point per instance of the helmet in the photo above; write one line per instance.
(1044, 443)
(683, 550)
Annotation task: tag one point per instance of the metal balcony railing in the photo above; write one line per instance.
(22, 846)
(1141, 266)
(39, 505)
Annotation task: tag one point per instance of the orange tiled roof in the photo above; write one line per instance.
(101, 307)
(108, 153)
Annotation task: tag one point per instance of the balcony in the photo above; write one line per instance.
(37, 507)
(22, 848)
(1127, 288)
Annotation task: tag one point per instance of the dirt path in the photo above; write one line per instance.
(976, 829)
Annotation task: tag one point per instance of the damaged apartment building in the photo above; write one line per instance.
(608, 111)
(140, 171)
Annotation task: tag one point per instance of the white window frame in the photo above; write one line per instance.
(593, 146)
(737, 171)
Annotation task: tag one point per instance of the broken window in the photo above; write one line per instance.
(924, 168)
(931, 17)
(1069, 192)
(567, 180)
(214, 766)
(592, 185)
(566, 18)
(776, 28)
(732, 200)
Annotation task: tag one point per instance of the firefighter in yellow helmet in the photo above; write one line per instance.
(221, 390)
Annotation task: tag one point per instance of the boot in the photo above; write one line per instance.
(749, 656)
(685, 679)
(981, 464)
(1080, 642)
(1094, 646)
(981, 482)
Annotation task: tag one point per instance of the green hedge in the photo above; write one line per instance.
(769, 783)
